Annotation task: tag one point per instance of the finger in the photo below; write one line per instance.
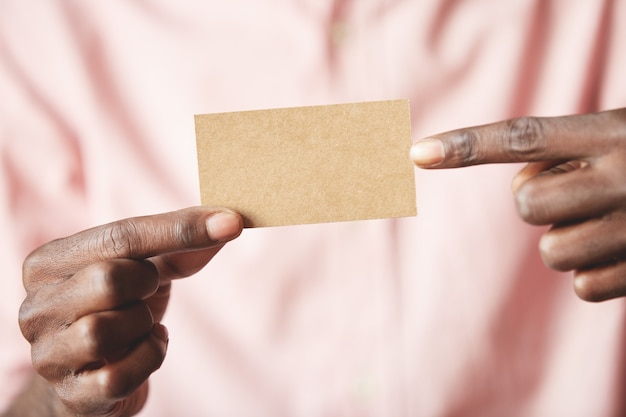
(134, 238)
(584, 245)
(534, 169)
(183, 264)
(602, 282)
(110, 387)
(529, 171)
(566, 196)
(523, 139)
(109, 285)
(98, 287)
(92, 341)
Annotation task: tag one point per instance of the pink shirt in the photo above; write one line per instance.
(451, 313)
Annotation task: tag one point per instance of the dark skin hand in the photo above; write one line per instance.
(575, 181)
(94, 305)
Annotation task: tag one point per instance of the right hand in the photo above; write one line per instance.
(95, 301)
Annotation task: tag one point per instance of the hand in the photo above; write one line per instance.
(575, 181)
(95, 301)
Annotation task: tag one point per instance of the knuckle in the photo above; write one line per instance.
(528, 203)
(116, 283)
(185, 231)
(46, 362)
(32, 319)
(27, 320)
(31, 266)
(116, 240)
(89, 329)
(38, 265)
(44, 265)
(465, 145)
(84, 403)
(119, 384)
(40, 356)
(524, 137)
(47, 369)
(115, 385)
(104, 276)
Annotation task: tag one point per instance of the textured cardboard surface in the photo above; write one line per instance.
(309, 164)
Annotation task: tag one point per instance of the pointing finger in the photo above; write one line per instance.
(525, 139)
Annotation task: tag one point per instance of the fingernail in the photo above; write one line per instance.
(223, 226)
(428, 152)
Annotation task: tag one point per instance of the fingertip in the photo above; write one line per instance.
(161, 332)
(224, 225)
(517, 182)
(162, 336)
(586, 289)
(428, 153)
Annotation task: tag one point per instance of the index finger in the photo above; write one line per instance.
(134, 238)
(525, 139)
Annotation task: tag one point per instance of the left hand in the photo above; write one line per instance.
(575, 181)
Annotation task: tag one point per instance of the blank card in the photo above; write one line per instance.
(311, 164)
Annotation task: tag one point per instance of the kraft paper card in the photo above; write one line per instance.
(309, 164)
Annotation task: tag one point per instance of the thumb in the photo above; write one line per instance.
(191, 229)
(221, 227)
